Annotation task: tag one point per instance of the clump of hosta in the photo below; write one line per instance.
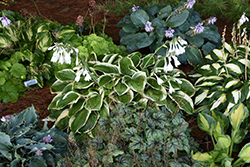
(223, 80)
(153, 26)
(134, 137)
(94, 86)
(24, 143)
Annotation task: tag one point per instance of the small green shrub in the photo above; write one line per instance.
(134, 137)
(24, 143)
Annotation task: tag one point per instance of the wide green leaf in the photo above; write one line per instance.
(245, 153)
(66, 75)
(68, 98)
(80, 120)
(184, 101)
(104, 79)
(139, 18)
(125, 65)
(106, 67)
(121, 88)
(58, 86)
(206, 123)
(95, 102)
(137, 82)
(194, 56)
(179, 19)
(147, 61)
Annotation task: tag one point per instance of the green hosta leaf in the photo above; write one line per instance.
(95, 102)
(221, 118)
(44, 42)
(104, 79)
(18, 70)
(37, 161)
(245, 153)
(5, 42)
(137, 82)
(80, 120)
(234, 68)
(148, 60)
(206, 123)
(58, 86)
(184, 101)
(177, 20)
(164, 12)
(106, 67)
(91, 123)
(221, 100)
(199, 98)
(68, 98)
(155, 95)
(74, 108)
(66, 75)
(5, 145)
(194, 56)
(121, 88)
(139, 18)
(202, 157)
(130, 28)
(224, 141)
(187, 87)
(237, 114)
(125, 65)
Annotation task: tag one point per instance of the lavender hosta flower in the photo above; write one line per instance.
(243, 19)
(199, 28)
(135, 8)
(5, 21)
(169, 33)
(212, 20)
(47, 139)
(148, 27)
(39, 153)
(190, 4)
(6, 118)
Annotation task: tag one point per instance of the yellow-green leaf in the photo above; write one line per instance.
(237, 114)
(245, 153)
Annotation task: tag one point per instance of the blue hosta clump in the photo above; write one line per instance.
(152, 26)
(133, 137)
(24, 143)
(223, 80)
(94, 86)
(216, 125)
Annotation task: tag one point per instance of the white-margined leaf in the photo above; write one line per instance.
(199, 98)
(121, 88)
(221, 100)
(80, 120)
(95, 102)
(106, 68)
(68, 98)
(137, 82)
(66, 75)
(184, 101)
(125, 65)
(104, 79)
(58, 86)
(220, 54)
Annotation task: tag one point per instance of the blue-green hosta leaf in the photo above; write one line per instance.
(206, 123)
(106, 67)
(18, 70)
(199, 98)
(130, 28)
(58, 86)
(184, 101)
(194, 56)
(121, 88)
(139, 18)
(68, 98)
(237, 115)
(125, 65)
(137, 82)
(148, 60)
(66, 75)
(95, 102)
(5, 146)
(221, 100)
(234, 68)
(80, 120)
(179, 19)
(245, 153)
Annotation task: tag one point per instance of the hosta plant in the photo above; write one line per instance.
(151, 27)
(216, 125)
(134, 137)
(223, 80)
(95, 85)
(24, 143)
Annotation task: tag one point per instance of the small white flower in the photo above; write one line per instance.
(171, 89)
(81, 71)
(159, 80)
(244, 32)
(46, 119)
(178, 80)
(175, 46)
(5, 21)
(168, 66)
(176, 61)
(243, 19)
(87, 77)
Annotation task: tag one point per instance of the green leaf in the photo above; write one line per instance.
(58, 86)
(106, 67)
(194, 56)
(5, 145)
(177, 20)
(202, 157)
(44, 42)
(80, 120)
(137, 143)
(184, 101)
(37, 161)
(221, 118)
(125, 65)
(66, 75)
(148, 60)
(218, 102)
(206, 123)
(137, 82)
(155, 95)
(187, 87)
(90, 124)
(200, 97)
(245, 153)
(68, 98)
(5, 42)
(74, 108)
(139, 18)
(18, 70)
(125, 98)
(237, 114)
(224, 141)
(121, 88)
(104, 79)
(234, 68)
(130, 28)
(94, 102)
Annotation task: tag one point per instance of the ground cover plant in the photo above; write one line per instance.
(151, 27)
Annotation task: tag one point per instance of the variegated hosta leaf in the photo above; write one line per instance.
(91, 123)
(153, 83)
(234, 68)
(106, 68)
(104, 79)
(121, 88)
(220, 118)
(147, 61)
(74, 108)
(125, 65)
(224, 141)
(236, 95)
(58, 86)
(220, 55)
(199, 98)
(245, 153)
(229, 48)
(45, 42)
(245, 62)
(68, 98)
(221, 100)
(95, 102)
(237, 114)
(137, 82)
(184, 101)
(136, 58)
(83, 84)
(187, 87)
(209, 79)
(66, 75)
(206, 123)
(229, 106)
(231, 82)
(155, 95)
(63, 114)
(104, 111)
(125, 98)
(12, 33)
(202, 157)
(5, 42)
(80, 120)
(110, 58)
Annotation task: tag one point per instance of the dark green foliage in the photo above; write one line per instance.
(21, 137)
(131, 137)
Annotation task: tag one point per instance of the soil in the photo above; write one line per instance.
(65, 11)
